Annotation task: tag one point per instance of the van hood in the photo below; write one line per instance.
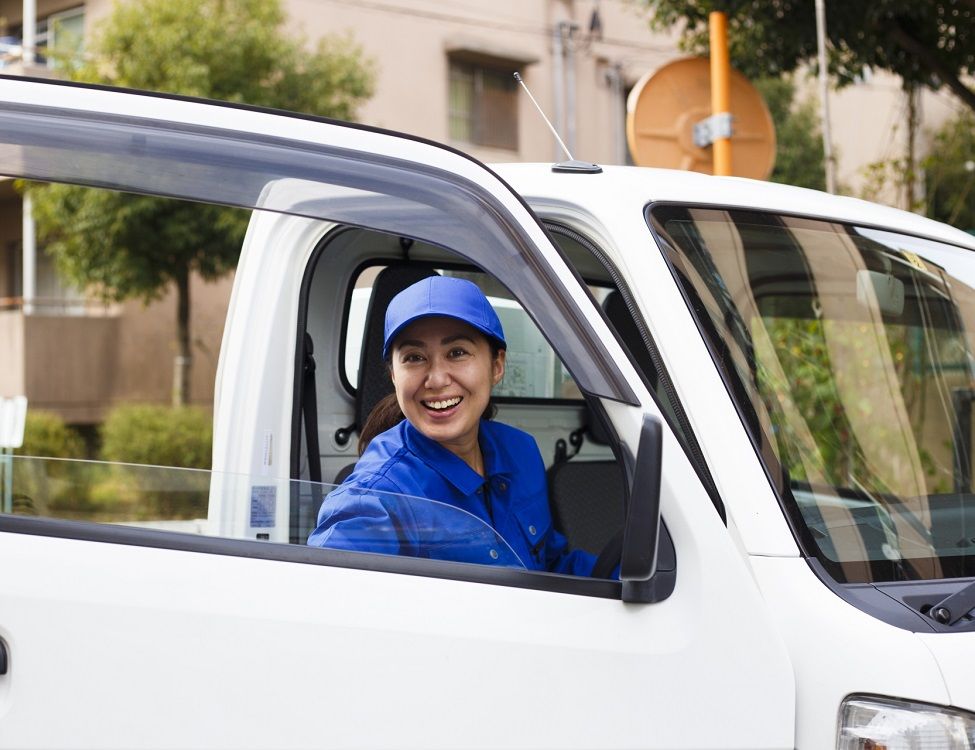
(955, 654)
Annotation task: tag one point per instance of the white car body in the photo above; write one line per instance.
(155, 641)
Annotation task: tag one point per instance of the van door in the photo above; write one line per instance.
(144, 637)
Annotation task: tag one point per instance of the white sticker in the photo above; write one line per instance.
(13, 415)
(264, 502)
(268, 453)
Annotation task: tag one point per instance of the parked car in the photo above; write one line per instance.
(767, 390)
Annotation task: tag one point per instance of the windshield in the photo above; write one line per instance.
(190, 500)
(849, 353)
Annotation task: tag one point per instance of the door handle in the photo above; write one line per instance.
(3, 658)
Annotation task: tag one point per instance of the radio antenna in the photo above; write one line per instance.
(550, 126)
(566, 166)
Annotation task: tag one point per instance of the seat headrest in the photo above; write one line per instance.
(374, 383)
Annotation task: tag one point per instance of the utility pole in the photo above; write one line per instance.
(824, 95)
(558, 72)
(614, 77)
(720, 90)
(29, 41)
(28, 265)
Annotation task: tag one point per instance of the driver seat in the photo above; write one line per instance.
(374, 383)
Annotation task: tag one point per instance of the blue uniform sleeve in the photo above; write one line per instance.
(533, 512)
(560, 559)
(351, 519)
(368, 520)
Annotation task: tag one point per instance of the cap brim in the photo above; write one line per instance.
(407, 323)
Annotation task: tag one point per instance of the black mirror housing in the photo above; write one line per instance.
(641, 532)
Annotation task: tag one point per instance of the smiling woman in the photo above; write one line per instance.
(446, 351)
(443, 371)
(445, 348)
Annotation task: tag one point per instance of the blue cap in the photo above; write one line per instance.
(442, 296)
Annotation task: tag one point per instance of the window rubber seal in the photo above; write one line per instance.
(691, 446)
(299, 553)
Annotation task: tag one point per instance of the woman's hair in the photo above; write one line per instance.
(386, 414)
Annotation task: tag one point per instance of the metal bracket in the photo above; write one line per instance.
(952, 608)
(710, 129)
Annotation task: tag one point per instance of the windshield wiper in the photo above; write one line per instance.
(952, 608)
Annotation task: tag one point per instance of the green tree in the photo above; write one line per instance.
(122, 246)
(799, 147)
(949, 171)
(925, 42)
(149, 434)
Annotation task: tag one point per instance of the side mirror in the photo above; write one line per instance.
(640, 534)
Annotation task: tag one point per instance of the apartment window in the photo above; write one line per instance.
(62, 34)
(483, 104)
(58, 39)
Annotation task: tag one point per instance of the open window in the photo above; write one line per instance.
(363, 270)
(328, 203)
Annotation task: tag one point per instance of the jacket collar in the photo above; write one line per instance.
(497, 460)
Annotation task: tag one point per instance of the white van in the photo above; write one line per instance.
(762, 394)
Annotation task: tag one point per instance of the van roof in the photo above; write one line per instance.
(632, 188)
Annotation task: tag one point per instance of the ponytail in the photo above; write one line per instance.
(384, 415)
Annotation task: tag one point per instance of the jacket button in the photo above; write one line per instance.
(532, 530)
(494, 554)
(503, 486)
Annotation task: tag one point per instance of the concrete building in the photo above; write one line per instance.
(444, 71)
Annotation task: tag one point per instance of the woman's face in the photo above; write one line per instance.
(443, 372)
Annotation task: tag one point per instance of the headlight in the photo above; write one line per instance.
(886, 724)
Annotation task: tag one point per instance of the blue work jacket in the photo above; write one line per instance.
(408, 495)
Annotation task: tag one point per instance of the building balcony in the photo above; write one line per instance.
(80, 358)
(62, 355)
(31, 70)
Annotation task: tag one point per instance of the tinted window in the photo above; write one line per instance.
(850, 354)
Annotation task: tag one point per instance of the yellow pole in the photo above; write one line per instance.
(720, 87)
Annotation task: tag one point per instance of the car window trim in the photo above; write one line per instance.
(588, 360)
(303, 554)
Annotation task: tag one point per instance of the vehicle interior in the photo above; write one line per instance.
(351, 277)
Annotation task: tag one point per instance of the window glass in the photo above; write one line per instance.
(850, 353)
(483, 105)
(84, 374)
(64, 37)
(461, 103)
(172, 499)
(532, 369)
(58, 39)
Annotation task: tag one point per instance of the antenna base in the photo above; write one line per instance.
(577, 167)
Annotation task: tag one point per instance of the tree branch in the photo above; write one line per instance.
(930, 61)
